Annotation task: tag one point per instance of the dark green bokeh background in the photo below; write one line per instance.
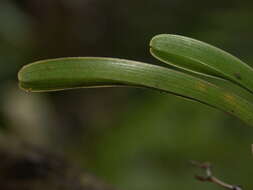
(132, 138)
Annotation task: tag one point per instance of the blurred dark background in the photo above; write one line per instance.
(132, 138)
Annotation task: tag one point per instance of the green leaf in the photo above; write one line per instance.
(201, 58)
(67, 73)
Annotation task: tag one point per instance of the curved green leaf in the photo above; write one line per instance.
(198, 57)
(66, 73)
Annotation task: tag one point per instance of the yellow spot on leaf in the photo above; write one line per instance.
(229, 98)
(201, 86)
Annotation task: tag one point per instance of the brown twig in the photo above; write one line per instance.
(210, 178)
